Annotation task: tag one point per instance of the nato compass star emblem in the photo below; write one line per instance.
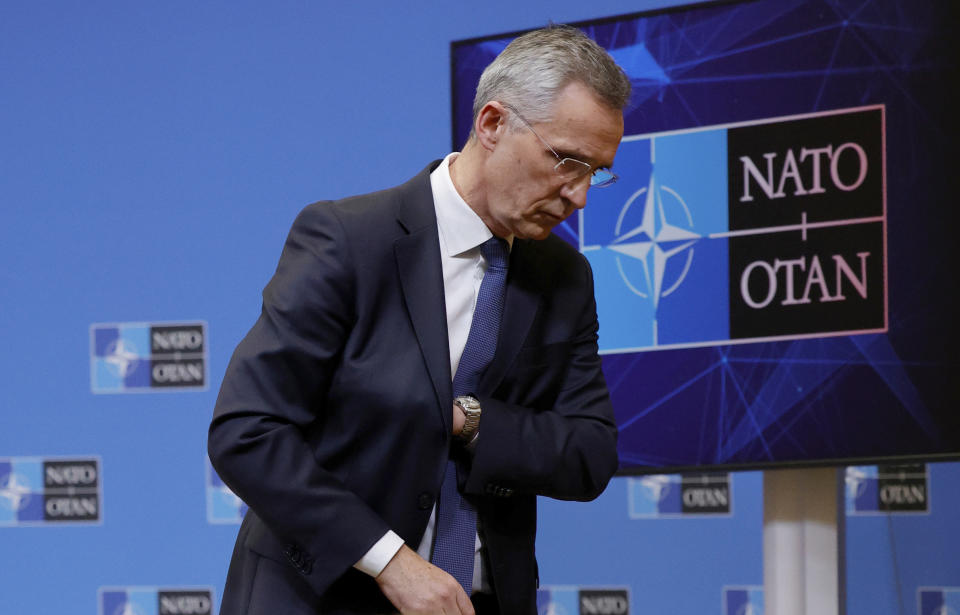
(122, 357)
(656, 486)
(552, 608)
(14, 491)
(856, 482)
(664, 234)
(128, 608)
(748, 609)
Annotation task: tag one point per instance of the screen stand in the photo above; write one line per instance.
(803, 542)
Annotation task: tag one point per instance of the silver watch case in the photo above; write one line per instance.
(471, 409)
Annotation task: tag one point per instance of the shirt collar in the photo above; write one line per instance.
(461, 229)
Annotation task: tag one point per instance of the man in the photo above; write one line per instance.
(336, 421)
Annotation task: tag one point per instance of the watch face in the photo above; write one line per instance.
(468, 403)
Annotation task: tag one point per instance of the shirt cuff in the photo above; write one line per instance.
(380, 554)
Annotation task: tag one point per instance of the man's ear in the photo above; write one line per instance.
(490, 125)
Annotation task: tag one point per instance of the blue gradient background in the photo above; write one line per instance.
(152, 159)
(858, 398)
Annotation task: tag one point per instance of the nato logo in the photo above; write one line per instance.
(658, 496)
(573, 600)
(558, 601)
(743, 600)
(48, 491)
(138, 357)
(765, 230)
(938, 601)
(222, 505)
(154, 601)
(872, 490)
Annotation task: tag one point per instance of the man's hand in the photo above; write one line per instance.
(459, 418)
(417, 587)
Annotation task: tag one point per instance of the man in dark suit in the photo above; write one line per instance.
(340, 422)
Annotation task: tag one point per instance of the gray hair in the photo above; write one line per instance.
(529, 74)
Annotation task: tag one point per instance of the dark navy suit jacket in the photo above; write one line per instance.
(334, 417)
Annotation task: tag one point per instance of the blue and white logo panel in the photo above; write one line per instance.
(223, 506)
(120, 358)
(50, 491)
(145, 357)
(886, 489)
(21, 491)
(743, 600)
(583, 600)
(766, 230)
(663, 496)
(654, 496)
(155, 601)
(653, 257)
(558, 600)
(938, 601)
(861, 493)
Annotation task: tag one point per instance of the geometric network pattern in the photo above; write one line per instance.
(853, 397)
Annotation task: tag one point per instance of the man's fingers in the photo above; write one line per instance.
(463, 601)
(417, 587)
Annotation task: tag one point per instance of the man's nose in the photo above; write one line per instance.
(575, 191)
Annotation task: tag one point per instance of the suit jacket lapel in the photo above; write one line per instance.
(421, 278)
(520, 306)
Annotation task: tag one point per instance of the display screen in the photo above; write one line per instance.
(775, 267)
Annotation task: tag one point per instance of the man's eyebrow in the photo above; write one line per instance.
(593, 162)
(570, 154)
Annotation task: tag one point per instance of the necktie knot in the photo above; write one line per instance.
(496, 252)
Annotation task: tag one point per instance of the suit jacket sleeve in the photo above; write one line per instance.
(272, 399)
(548, 426)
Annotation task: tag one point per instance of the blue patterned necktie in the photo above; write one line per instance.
(453, 549)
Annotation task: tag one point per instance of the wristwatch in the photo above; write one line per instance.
(471, 409)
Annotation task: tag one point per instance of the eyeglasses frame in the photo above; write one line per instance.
(607, 181)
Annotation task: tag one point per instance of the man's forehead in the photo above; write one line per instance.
(594, 142)
(584, 126)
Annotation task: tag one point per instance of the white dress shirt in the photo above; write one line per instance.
(461, 233)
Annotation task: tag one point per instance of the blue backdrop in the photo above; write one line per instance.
(152, 159)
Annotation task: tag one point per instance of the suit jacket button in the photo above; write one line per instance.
(424, 501)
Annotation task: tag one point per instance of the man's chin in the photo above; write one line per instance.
(535, 233)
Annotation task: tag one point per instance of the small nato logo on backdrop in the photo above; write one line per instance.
(155, 601)
(659, 496)
(576, 600)
(144, 357)
(743, 600)
(223, 506)
(938, 601)
(884, 489)
(49, 491)
(777, 224)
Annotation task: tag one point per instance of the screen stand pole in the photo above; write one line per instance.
(803, 542)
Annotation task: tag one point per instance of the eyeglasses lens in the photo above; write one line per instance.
(571, 169)
(602, 178)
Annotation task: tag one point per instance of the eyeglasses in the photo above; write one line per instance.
(571, 169)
